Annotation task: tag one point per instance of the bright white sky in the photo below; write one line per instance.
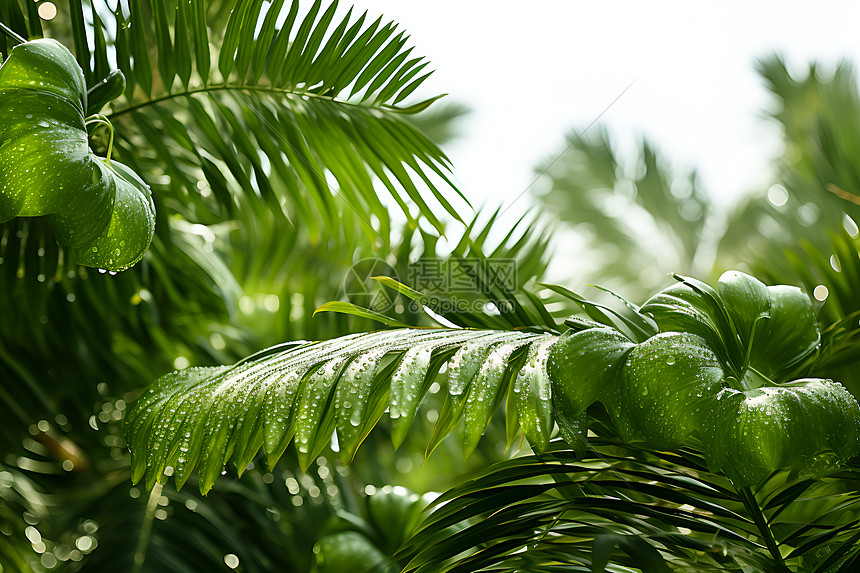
(532, 71)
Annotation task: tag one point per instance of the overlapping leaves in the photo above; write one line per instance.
(222, 127)
(101, 210)
(723, 366)
(720, 370)
(205, 417)
(620, 507)
(290, 108)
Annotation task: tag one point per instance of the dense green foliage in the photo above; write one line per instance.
(693, 370)
(723, 366)
(721, 363)
(269, 144)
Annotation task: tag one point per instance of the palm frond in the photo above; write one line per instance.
(817, 117)
(818, 190)
(205, 417)
(319, 94)
(640, 510)
(477, 284)
(609, 198)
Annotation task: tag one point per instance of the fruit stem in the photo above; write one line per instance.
(102, 120)
(12, 33)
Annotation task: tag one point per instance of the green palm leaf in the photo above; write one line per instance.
(188, 286)
(721, 371)
(205, 417)
(637, 509)
(319, 95)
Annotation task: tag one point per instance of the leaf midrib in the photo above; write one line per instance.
(241, 87)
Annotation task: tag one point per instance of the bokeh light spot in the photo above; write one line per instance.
(47, 10)
(820, 292)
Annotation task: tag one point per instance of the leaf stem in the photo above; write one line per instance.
(12, 33)
(758, 375)
(146, 528)
(748, 353)
(228, 87)
(750, 503)
(102, 120)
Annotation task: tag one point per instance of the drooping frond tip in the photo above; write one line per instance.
(203, 418)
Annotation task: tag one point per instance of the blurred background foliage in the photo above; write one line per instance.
(249, 244)
(641, 221)
(645, 220)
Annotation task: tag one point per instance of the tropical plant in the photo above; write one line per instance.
(46, 159)
(801, 230)
(268, 134)
(708, 375)
(268, 153)
(640, 219)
